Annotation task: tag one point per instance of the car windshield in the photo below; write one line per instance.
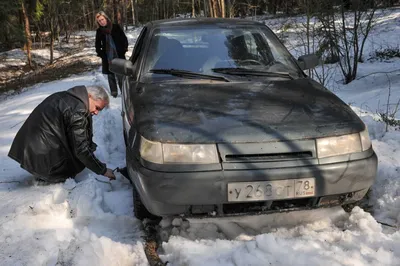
(208, 48)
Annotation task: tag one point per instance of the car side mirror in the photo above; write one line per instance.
(308, 61)
(122, 67)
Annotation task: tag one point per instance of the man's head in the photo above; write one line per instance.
(98, 99)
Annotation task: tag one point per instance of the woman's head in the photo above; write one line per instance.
(102, 19)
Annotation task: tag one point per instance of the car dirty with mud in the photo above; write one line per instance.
(220, 120)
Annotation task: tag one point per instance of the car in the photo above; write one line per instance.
(220, 119)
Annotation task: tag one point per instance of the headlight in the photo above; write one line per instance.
(196, 154)
(365, 140)
(342, 145)
(151, 151)
(160, 153)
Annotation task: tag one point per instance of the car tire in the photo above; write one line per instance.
(140, 211)
(362, 203)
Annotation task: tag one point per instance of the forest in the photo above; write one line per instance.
(27, 21)
(34, 24)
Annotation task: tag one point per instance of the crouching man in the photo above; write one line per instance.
(55, 142)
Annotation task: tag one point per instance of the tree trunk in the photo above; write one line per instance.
(136, 10)
(125, 9)
(28, 40)
(133, 13)
(91, 12)
(193, 11)
(51, 48)
(272, 7)
(229, 10)
(115, 11)
(199, 13)
(96, 6)
(222, 8)
(214, 8)
(211, 8)
(119, 14)
(165, 9)
(155, 11)
(84, 18)
(218, 8)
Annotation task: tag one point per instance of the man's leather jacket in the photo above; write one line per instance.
(55, 141)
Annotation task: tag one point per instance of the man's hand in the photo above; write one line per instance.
(109, 173)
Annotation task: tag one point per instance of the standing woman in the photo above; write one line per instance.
(111, 42)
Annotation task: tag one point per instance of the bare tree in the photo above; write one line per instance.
(211, 8)
(272, 6)
(115, 11)
(84, 17)
(205, 6)
(347, 34)
(125, 12)
(28, 37)
(51, 18)
(217, 8)
(222, 8)
(119, 13)
(229, 8)
(135, 16)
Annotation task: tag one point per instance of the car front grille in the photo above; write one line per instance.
(268, 151)
(268, 156)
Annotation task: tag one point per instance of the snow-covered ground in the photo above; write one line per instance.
(89, 221)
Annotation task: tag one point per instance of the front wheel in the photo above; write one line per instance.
(139, 209)
(363, 203)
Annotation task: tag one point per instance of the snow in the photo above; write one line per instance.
(89, 220)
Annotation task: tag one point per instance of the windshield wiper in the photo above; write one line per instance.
(187, 74)
(240, 71)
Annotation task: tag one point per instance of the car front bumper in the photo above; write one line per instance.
(176, 193)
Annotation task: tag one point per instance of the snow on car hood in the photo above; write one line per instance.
(209, 112)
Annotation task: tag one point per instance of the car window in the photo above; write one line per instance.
(138, 45)
(202, 48)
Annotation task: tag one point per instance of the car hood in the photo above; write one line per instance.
(230, 112)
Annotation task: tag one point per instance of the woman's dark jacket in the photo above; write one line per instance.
(55, 142)
(121, 44)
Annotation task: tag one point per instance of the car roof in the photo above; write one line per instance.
(201, 21)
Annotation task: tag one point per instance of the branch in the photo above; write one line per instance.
(379, 72)
(17, 124)
(388, 101)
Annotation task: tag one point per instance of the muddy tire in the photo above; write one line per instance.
(140, 211)
(362, 203)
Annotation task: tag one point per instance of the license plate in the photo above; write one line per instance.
(271, 190)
